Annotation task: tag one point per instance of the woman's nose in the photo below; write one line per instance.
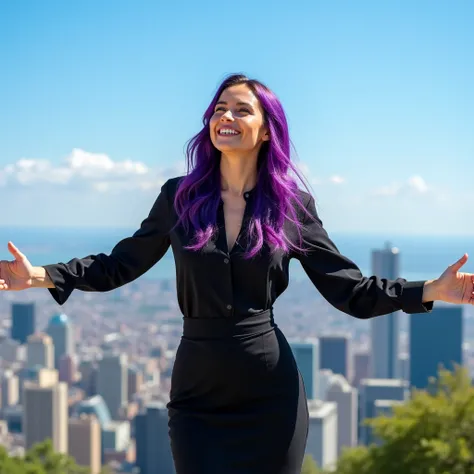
(227, 116)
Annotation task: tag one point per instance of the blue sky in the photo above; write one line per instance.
(99, 98)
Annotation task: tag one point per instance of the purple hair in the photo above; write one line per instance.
(276, 193)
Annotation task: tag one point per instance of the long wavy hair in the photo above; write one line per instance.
(276, 193)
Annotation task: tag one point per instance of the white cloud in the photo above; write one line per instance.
(413, 185)
(82, 169)
(336, 179)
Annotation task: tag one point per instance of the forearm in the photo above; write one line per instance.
(41, 279)
(430, 291)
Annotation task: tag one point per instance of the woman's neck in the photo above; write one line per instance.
(238, 174)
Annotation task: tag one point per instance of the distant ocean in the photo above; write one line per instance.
(422, 257)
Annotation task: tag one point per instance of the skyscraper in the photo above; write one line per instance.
(384, 329)
(40, 351)
(10, 389)
(45, 415)
(94, 406)
(23, 321)
(85, 443)
(334, 354)
(436, 340)
(306, 355)
(61, 331)
(112, 382)
(372, 390)
(322, 433)
(346, 399)
(152, 440)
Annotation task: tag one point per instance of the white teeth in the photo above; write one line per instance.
(227, 131)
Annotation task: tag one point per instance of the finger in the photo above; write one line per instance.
(456, 266)
(15, 252)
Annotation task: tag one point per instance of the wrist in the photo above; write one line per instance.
(430, 291)
(40, 279)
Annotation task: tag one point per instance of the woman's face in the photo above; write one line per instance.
(237, 124)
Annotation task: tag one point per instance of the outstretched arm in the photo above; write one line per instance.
(128, 260)
(342, 284)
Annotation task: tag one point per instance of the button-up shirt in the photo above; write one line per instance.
(216, 283)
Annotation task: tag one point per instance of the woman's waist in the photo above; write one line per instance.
(228, 327)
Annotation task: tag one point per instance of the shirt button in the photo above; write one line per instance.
(229, 306)
(226, 260)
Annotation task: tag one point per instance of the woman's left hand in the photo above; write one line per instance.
(456, 287)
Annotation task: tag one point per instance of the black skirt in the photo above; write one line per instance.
(237, 401)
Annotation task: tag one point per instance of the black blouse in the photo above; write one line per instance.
(216, 283)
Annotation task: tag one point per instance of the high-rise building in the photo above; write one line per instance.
(361, 367)
(306, 355)
(385, 329)
(346, 398)
(61, 331)
(45, 415)
(10, 350)
(436, 340)
(112, 382)
(135, 381)
(40, 351)
(334, 354)
(322, 433)
(85, 442)
(152, 440)
(67, 368)
(10, 389)
(95, 406)
(23, 321)
(372, 390)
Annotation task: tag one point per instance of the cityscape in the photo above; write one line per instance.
(94, 378)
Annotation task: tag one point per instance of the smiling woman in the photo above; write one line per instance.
(234, 222)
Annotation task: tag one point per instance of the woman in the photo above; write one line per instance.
(237, 402)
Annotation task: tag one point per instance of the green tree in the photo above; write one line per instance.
(41, 459)
(430, 434)
(310, 466)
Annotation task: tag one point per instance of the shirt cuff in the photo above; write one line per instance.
(412, 297)
(63, 285)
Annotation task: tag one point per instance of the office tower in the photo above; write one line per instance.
(23, 321)
(306, 355)
(36, 375)
(45, 415)
(334, 354)
(436, 340)
(361, 367)
(61, 331)
(10, 350)
(152, 440)
(40, 351)
(85, 442)
(116, 436)
(324, 380)
(67, 368)
(384, 329)
(385, 407)
(93, 406)
(10, 389)
(322, 433)
(88, 377)
(404, 366)
(135, 381)
(112, 382)
(377, 389)
(346, 399)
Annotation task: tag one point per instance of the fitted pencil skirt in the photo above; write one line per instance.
(237, 400)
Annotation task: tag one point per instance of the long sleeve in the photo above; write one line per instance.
(341, 283)
(129, 259)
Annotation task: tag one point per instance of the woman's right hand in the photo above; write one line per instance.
(17, 274)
